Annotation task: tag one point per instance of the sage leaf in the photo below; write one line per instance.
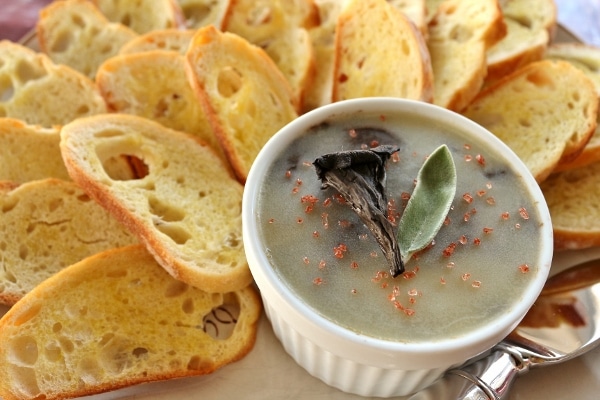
(429, 203)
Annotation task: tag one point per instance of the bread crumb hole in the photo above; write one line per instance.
(195, 13)
(23, 252)
(176, 233)
(540, 79)
(139, 352)
(164, 211)
(188, 306)
(461, 33)
(175, 288)
(66, 344)
(197, 364)
(23, 351)
(25, 382)
(259, 16)
(229, 81)
(220, 322)
(89, 371)
(52, 352)
(7, 90)
(27, 72)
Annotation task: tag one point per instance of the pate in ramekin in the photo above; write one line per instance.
(326, 285)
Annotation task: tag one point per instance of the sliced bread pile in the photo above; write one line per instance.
(137, 122)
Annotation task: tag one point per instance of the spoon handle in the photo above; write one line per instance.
(489, 378)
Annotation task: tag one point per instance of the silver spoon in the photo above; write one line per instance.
(562, 324)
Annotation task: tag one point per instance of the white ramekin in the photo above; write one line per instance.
(341, 358)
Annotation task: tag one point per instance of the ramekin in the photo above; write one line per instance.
(344, 359)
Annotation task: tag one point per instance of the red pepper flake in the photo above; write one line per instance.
(299, 220)
(505, 215)
(299, 182)
(322, 264)
(412, 300)
(409, 311)
(310, 199)
(476, 284)
(523, 213)
(488, 185)
(373, 254)
(449, 250)
(363, 236)
(481, 193)
(413, 292)
(374, 143)
(318, 281)
(468, 198)
(344, 223)
(339, 250)
(342, 78)
(450, 265)
(353, 291)
(463, 239)
(524, 268)
(409, 275)
(476, 241)
(325, 220)
(308, 209)
(467, 217)
(447, 221)
(465, 277)
(379, 275)
(327, 202)
(382, 117)
(354, 265)
(487, 230)
(316, 234)
(467, 146)
(442, 280)
(288, 174)
(340, 199)
(468, 157)
(295, 189)
(395, 292)
(405, 196)
(480, 159)
(491, 201)
(395, 157)
(384, 285)
(306, 260)
(517, 226)
(398, 305)
(271, 220)
(352, 133)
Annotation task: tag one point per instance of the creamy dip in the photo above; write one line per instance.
(476, 269)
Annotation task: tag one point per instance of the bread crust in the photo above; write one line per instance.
(186, 209)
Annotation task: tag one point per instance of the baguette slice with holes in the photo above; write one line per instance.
(546, 112)
(47, 225)
(587, 59)
(143, 16)
(186, 208)
(38, 91)
(573, 196)
(246, 96)
(379, 52)
(114, 320)
(77, 34)
(459, 36)
(123, 81)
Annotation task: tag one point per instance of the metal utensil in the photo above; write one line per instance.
(562, 324)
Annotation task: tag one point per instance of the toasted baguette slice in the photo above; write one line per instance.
(123, 82)
(322, 37)
(199, 13)
(187, 207)
(143, 16)
(38, 91)
(29, 152)
(176, 40)
(545, 112)
(459, 36)
(587, 59)
(572, 198)
(530, 27)
(114, 320)
(280, 28)
(77, 34)
(47, 225)
(246, 96)
(379, 52)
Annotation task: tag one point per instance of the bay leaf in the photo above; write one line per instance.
(429, 203)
